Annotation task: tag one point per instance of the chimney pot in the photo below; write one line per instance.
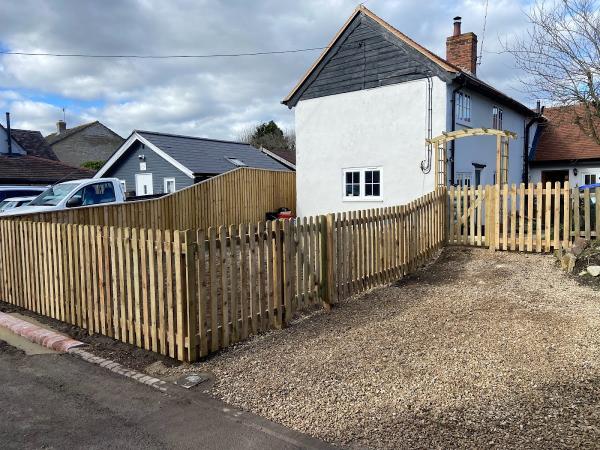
(61, 126)
(457, 21)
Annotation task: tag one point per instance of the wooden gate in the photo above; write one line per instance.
(532, 217)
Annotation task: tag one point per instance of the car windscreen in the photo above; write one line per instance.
(53, 195)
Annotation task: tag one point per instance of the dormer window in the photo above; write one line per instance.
(463, 107)
(236, 162)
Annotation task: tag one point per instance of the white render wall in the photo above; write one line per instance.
(382, 127)
(482, 149)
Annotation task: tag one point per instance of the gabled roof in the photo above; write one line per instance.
(361, 9)
(33, 143)
(35, 170)
(451, 71)
(561, 139)
(53, 138)
(196, 156)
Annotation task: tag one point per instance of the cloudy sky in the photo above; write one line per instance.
(214, 97)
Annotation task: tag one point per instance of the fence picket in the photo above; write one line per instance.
(187, 294)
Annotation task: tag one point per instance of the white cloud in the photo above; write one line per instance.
(210, 97)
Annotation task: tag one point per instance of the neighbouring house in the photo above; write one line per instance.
(561, 151)
(154, 163)
(26, 159)
(88, 143)
(285, 157)
(366, 106)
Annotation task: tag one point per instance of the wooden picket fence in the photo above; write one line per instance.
(532, 217)
(241, 195)
(187, 294)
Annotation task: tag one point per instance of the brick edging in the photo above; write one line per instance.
(34, 333)
(119, 369)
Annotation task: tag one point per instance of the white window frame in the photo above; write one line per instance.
(463, 107)
(497, 121)
(462, 177)
(583, 172)
(165, 181)
(362, 197)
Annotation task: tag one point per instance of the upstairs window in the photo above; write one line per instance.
(362, 184)
(463, 107)
(497, 118)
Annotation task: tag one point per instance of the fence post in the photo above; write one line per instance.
(327, 252)
(190, 299)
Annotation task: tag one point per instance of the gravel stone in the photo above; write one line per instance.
(481, 350)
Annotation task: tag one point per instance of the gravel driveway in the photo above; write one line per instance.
(480, 349)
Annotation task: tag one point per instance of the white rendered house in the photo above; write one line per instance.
(365, 108)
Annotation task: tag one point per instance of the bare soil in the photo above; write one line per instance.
(478, 350)
(103, 346)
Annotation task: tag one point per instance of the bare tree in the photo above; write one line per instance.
(560, 55)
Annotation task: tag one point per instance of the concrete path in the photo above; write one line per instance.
(59, 401)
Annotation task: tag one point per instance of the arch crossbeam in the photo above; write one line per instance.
(441, 144)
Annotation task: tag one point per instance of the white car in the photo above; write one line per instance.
(10, 191)
(74, 194)
(14, 202)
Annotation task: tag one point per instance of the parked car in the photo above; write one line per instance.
(20, 191)
(74, 194)
(14, 202)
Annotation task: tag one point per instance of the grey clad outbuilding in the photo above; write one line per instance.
(150, 163)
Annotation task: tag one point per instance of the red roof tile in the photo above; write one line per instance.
(34, 170)
(562, 139)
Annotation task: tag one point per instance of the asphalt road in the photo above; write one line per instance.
(60, 401)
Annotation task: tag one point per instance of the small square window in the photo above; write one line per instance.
(169, 185)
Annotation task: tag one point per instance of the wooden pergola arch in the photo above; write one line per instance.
(440, 143)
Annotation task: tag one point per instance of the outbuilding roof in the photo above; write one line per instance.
(22, 169)
(196, 155)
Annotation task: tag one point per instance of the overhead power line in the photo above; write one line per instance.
(213, 55)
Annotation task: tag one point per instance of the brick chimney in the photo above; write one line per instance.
(61, 127)
(461, 49)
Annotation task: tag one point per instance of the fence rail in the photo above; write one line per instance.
(189, 293)
(532, 217)
(242, 195)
